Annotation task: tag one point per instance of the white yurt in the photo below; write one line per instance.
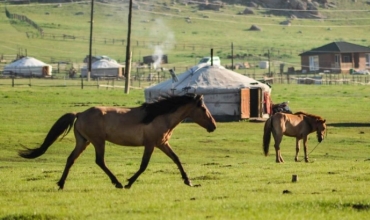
(228, 95)
(28, 66)
(103, 68)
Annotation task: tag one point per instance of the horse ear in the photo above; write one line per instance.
(321, 120)
(199, 97)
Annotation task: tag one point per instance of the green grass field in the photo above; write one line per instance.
(163, 25)
(234, 179)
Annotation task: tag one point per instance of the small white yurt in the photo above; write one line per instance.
(228, 95)
(103, 68)
(28, 66)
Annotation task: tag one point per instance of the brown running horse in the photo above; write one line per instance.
(298, 125)
(149, 125)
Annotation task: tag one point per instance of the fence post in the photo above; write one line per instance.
(12, 81)
(287, 77)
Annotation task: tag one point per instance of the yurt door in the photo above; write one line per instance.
(245, 103)
(250, 103)
(256, 103)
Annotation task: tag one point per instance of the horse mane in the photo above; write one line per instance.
(164, 105)
(309, 115)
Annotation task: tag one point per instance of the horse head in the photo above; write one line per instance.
(320, 129)
(201, 115)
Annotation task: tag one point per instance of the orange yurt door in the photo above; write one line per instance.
(245, 105)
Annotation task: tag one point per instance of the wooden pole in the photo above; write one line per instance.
(212, 57)
(91, 34)
(128, 52)
(232, 56)
(269, 63)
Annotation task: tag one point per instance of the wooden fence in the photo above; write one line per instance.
(24, 18)
(143, 79)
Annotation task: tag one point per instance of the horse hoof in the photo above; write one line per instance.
(127, 186)
(119, 186)
(188, 182)
(61, 186)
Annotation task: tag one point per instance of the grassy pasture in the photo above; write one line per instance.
(235, 180)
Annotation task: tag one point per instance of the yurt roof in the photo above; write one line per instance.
(27, 62)
(204, 78)
(103, 63)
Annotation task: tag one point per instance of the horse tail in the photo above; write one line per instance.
(61, 127)
(267, 136)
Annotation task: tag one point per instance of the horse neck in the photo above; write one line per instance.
(178, 116)
(311, 122)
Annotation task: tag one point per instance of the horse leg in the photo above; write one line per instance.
(278, 139)
(99, 155)
(296, 149)
(166, 148)
(148, 150)
(81, 145)
(305, 149)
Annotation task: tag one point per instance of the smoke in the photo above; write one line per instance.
(157, 56)
(166, 41)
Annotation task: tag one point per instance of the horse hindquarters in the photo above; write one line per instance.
(83, 139)
(278, 137)
(267, 136)
(278, 130)
(268, 129)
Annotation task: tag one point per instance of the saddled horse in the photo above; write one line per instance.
(298, 125)
(149, 125)
(281, 107)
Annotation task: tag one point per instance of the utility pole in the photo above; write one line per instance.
(211, 56)
(128, 52)
(269, 63)
(232, 56)
(91, 33)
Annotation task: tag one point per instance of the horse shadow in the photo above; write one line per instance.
(348, 124)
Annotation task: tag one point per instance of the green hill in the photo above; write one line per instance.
(182, 31)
